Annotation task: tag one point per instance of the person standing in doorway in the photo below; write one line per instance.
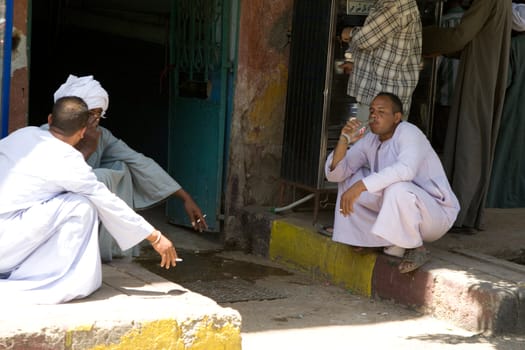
(446, 77)
(386, 53)
(483, 38)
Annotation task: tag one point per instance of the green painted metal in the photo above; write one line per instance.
(199, 57)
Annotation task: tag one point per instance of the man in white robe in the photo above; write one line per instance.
(50, 206)
(392, 189)
(135, 178)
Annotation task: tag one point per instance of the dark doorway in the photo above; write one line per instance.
(80, 40)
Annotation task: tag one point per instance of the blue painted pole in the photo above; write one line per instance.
(6, 71)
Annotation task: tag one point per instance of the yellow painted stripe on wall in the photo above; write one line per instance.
(304, 248)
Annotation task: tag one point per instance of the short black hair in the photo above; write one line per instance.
(69, 114)
(397, 105)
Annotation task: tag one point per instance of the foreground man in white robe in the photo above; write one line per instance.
(392, 189)
(50, 206)
(135, 178)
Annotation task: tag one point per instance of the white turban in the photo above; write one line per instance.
(87, 89)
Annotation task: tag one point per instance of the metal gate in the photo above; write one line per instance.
(306, 100)
(200, 84)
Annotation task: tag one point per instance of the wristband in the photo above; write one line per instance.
(159, 235)
(347, 138)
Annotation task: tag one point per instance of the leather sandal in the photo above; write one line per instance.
(414, 259)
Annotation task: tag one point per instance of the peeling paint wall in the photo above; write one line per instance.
(18, 101)
(259, 110)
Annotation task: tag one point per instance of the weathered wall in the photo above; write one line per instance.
(18, 100)
(259, 109)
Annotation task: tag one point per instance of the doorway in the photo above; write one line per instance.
(123, 46)
(126, 46)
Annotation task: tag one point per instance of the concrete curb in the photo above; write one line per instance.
(470, 292)
(134, 309)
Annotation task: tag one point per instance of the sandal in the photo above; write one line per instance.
(325, 230)
(414, 259)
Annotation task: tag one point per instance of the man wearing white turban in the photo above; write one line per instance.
(135, 178)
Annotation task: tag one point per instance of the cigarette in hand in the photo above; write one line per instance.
(199, 219)
(178, 260)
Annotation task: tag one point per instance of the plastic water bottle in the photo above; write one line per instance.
(361, 130)
(354, 108)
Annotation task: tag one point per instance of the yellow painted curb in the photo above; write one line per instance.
(169, 335)
(294, 245)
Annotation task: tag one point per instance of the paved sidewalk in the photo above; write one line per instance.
(134, 309)
(476, 291)
(318, 315)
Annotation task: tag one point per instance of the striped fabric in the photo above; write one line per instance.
(448, 67)
(387, 52)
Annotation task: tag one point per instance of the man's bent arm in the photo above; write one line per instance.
(339, 152)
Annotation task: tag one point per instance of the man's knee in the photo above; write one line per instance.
(400, 191)
(80, 204)
(104, 176)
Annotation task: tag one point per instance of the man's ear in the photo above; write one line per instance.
(82, 132)
(398, 116)
(49, 118)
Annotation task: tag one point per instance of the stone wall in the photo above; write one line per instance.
(18, 101)
(258, 113)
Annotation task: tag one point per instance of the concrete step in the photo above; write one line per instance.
(134, 309)
(472, 290)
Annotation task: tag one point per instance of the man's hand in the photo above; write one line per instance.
(195, 214)
(347, 67)
(350, 196)
(88, 145)
(351, 129)
(192, 209)
(165, 248)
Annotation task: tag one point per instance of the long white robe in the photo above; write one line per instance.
(50, 204)
(408, 198)
(135, 178)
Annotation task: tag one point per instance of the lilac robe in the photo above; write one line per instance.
(409, 199)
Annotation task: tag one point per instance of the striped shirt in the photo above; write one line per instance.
(387, 52)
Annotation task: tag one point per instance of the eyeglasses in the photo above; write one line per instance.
(97, 113)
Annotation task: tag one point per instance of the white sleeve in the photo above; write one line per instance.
(125, 225)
